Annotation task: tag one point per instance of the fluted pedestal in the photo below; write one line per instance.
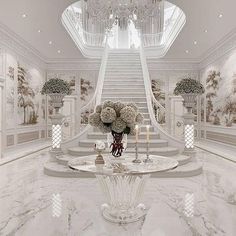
(123, 195)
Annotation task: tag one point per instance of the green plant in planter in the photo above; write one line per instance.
(189, 86)
(56, 86)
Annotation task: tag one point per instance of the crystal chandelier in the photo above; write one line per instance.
(122, 12)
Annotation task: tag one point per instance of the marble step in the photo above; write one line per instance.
(128, 74)
(120, 85)
(123, 70)
(131, 143)
(161, 151)
(142, 136)
(56, 170)
(119, 66)
(123, 94)
(125, 99)
(124, 83)
(124, 87)
(182, 159)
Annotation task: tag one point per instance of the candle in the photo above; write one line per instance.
(148, 134)
(136, 129)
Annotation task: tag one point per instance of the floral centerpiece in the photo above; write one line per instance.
(189, 89)
(56, 89)
(118, 119)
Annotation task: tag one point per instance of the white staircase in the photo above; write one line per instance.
(124, 82)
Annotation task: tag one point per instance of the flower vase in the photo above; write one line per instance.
(117, 143)
(189, 100)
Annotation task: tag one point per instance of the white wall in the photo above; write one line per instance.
(13, 130)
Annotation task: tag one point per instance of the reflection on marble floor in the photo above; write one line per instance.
(32, 204)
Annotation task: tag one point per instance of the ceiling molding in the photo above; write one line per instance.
(223, 47)
(13, 42)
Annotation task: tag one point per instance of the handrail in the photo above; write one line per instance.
(94, 101)
(158, 39)
(150, 98)
(91, 39)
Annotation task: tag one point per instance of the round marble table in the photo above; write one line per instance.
(122, 182)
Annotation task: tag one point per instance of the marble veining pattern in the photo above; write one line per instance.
(32, 203)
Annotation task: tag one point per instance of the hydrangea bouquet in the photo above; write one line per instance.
(118, 119)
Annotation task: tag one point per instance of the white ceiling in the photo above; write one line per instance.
(46, 16)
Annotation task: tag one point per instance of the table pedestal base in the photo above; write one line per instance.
(123, 217)
(123, 195)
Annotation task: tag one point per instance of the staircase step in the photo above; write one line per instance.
(121, 85)
(124, 73)
(119, 82)
(142, 135)
(131, 143)
(162, 151)
(125, 99)
(124, 89)
(122, 94)
(124, 70)
(124, 65)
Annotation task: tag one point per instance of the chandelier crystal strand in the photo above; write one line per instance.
(122, 12)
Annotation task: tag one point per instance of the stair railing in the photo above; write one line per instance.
(89, 108)
(89, 39)
(153, 104)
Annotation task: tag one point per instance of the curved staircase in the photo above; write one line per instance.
(124, 81)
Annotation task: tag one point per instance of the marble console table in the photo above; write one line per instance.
(122, 183)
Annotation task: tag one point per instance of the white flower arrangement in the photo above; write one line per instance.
(189, 86)
(56, 86)
(116, 117)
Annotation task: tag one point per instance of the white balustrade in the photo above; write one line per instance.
(156, 110)
(89, 39)
(90, 106)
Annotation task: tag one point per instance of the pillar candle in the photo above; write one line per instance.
(148, 134)
(136, 129)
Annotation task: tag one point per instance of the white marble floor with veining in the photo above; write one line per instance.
(33, 204)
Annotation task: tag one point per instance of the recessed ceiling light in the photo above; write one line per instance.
(58, 51)
(50, 42)
(39, 31)
(24, 15)
(220, 15)
(187, 51)
(206, 31)
(195, 42)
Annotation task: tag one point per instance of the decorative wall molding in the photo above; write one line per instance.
(12, 42)
(224, 47)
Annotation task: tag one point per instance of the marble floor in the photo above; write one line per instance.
(33, 204)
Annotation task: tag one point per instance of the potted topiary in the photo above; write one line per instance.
(189, 89)
(56, 89)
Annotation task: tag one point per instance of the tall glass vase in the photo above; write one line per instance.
(117, 143)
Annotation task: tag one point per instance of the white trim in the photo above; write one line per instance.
(13, 42)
